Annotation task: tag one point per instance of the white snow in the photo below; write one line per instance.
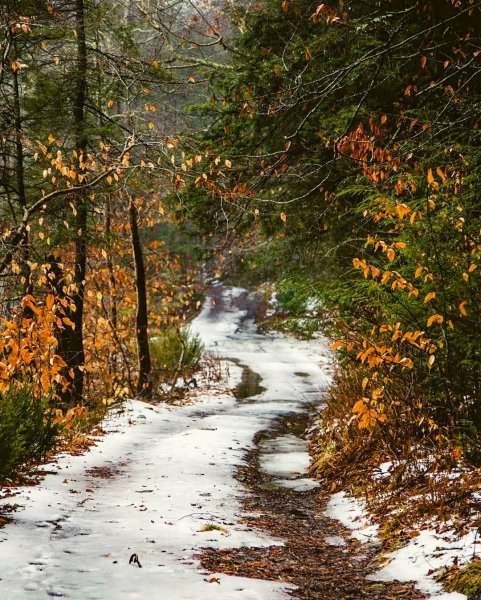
(424, 554)
(284, 456)
(335, 540)
(170, 471)
(418, 561)
(352, 514)
(287, 458)
(301, 484)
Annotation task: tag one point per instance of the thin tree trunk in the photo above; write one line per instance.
(144, 385)
(75, 353)
(110, 266)
(21, 193)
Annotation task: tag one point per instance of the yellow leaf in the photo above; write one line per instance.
(283, 217)
(402, 210)
(431, 360)
(17, 66)
(337, 344)
(68, 322)
(435, 319)
(8, 325)
(228, 164)
(386, 277)
(49, 301)
(360, 407)
(429, 297)
(439, 171)
(462, 308)
(430, 176)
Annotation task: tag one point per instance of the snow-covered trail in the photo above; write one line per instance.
(151, 484)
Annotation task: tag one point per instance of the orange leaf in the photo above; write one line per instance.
(49, 301)
(435, 319)
(360, 407)
(439, 171)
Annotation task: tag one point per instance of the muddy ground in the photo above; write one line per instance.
(308, 559)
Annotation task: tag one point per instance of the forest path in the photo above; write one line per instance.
(164, 485)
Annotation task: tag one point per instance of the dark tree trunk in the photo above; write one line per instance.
(21, 193)
(74, 354)
(144, 385)
(20, 169)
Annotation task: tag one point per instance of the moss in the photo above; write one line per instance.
(467, 580)
(214, 527)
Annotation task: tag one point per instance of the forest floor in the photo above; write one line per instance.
(201, 501)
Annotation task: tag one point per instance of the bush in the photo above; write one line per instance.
(27, 429)
(174, 352)
(290, 300)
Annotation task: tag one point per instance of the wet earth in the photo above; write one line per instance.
(318, 556)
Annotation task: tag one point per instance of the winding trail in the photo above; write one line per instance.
(162, 484)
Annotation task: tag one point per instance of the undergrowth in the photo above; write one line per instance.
(406, 469)
(27, 429)
(175, 352)
(465, 580)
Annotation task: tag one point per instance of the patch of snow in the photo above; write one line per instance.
(424, 554)
(312, 306)
(303, 484)
(272, 304)
(284, 456)
(335, 540)
(287, 458)
(383, 471)
(352, 514)
(418, 561)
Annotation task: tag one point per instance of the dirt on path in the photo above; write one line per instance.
(308, 559)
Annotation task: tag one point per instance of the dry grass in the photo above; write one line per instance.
(406, 471)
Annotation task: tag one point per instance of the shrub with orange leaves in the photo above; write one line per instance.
(28, 346)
